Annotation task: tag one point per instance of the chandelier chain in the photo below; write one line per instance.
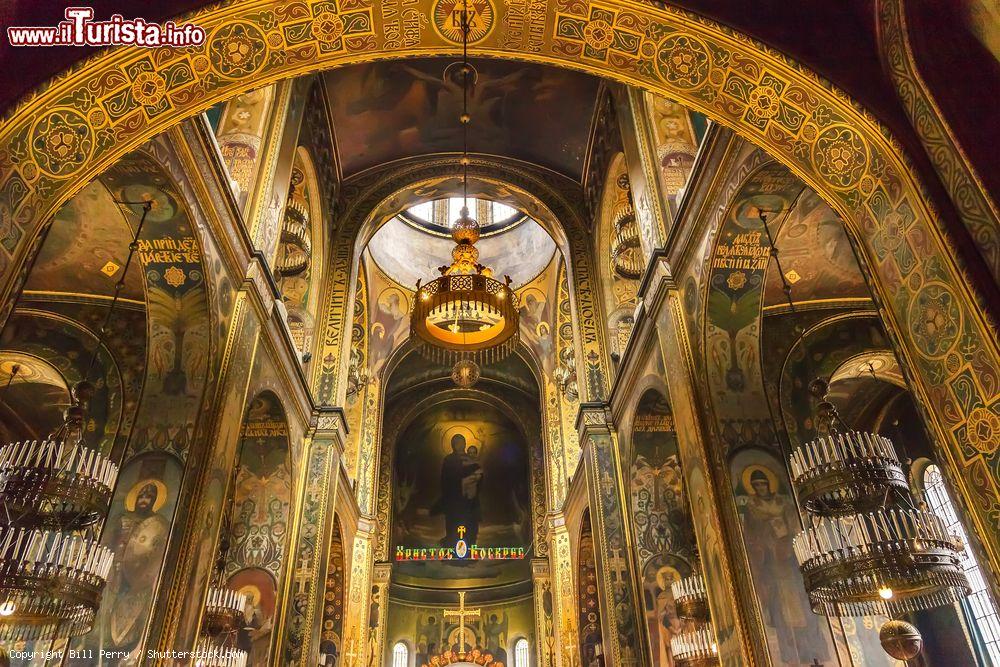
(147, 206)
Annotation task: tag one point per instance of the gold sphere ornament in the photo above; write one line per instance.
(900, 639)
(465, 230)
(465, 373)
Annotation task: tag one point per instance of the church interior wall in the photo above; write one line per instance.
(427, 632)
(214, 400)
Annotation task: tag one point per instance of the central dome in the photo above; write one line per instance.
(412, 245)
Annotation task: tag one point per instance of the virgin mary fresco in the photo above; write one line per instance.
(461, 471)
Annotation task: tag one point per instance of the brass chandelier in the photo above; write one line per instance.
(696, 646)
(465, 318)
(54, 497)
(691, 598)
(869, 550)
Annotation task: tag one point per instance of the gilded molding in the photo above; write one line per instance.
(975, 206)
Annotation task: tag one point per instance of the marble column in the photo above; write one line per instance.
(625, 640)
(378, 612)
(313, 525)
(566, 642)
(544, 619)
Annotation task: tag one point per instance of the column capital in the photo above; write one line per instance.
(329, 422)
(594, 418)
(382, 573)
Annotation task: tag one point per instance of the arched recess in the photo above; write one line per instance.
(34, 390)
(413, 388)
(259, 527)
(664, 534)
(376, 195)
(619, 257)
(53, 352)
(57, 138)
(331, 647)
(818, 353)
(589, 624)
(301, 252)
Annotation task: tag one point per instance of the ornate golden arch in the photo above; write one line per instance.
(88, 117)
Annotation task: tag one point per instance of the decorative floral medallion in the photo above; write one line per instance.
(97, 117)
(237, 50)
(61, 141)
(840, 156)
(683, 61)
(148, 88)
(328, 27)
(983, 431)
(174, 276)
(448, 19)
(935, 320)
(598, 34)
(765, 101)
(736, 280)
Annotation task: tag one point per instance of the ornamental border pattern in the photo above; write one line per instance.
(968, 194)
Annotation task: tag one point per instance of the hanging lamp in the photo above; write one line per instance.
(869, 549)
(465, 318)
(54, 496)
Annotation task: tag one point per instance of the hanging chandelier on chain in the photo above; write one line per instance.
(54, 497)
(465, 318)
(869, 550)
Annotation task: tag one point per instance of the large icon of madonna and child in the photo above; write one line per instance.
(461, 473)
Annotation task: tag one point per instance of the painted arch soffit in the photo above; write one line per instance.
(86, 118)
(375, 196)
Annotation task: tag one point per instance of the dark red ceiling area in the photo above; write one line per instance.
(964, 75)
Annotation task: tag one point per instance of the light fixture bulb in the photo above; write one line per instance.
(7, 608)
(885, 593)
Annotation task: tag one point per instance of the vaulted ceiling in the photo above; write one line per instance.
(395, 109)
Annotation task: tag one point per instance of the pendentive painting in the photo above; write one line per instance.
(461, 471)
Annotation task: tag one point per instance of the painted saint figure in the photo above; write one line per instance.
(770, 520)
(459, 501)
(137, 534)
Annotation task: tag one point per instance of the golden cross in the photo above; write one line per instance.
(461, 532)
(352, 652)
(570, 650)
(461, 613)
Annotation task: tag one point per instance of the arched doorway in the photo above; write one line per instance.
(331, 638)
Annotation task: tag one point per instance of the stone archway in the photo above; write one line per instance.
(90, 116)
